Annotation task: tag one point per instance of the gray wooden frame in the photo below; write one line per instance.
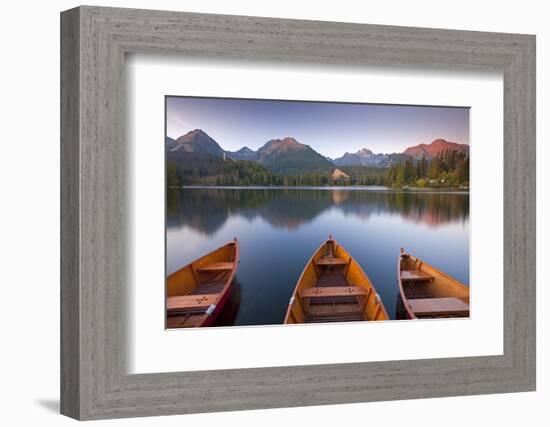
(94, 41)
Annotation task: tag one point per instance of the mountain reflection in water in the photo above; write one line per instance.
(279, 228)
(207, 209)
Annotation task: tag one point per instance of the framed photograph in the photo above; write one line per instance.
(285, 213)
(293, 196)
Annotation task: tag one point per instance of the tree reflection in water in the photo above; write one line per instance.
(279, 229)
(207, 209)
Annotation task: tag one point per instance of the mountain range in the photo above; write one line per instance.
(196, 141)
(429, 151)
(287, 156)
(366, 157)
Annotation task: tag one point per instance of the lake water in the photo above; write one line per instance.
(279, 229)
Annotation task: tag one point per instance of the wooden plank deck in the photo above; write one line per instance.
(183, 320)
(214, 287)
(418, 289)
(335, 309)
(330, 318)
(331, 280)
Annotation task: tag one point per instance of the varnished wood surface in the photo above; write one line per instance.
(415, 275)
(200, 284)
(419, 280)
(216, 266)
(332, 266)
(337, 291)
(331, 261)
(439, 306)
(190, 301)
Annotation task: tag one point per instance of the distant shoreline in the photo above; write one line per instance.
(327, 188)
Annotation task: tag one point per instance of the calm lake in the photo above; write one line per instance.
(280, 228)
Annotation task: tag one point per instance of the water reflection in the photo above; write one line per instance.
(206, 210)
(231, 307)
(279, 229)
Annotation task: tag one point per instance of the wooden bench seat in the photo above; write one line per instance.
(190, 302)
(415, 276)
(439, 307)
(333, 291)
(330, 261)
(216, 266)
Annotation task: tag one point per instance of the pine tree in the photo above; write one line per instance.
(400, 176)
(172, 179)
(463, 170)
(409, 172)
(435, 168)
(423, 168)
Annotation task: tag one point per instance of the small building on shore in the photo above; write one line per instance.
(339, 175)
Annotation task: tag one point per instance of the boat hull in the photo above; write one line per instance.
(334, 288)
(427, 292)
(197, 293)
(211, 320)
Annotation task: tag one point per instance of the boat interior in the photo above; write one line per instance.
(430, 293)
(193, 291)
(332, 289)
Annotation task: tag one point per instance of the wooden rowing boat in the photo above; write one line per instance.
(427, 292)
(334, 288)
(196, 293)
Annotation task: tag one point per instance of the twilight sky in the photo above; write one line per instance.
(329, 128)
